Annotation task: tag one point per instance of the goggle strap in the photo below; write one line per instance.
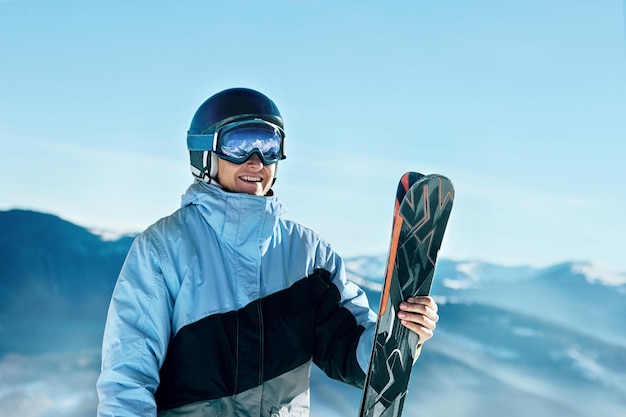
(200, 142)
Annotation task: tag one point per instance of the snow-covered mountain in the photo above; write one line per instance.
(512, 341)
(577, 295)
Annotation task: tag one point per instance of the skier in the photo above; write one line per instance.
(222, 307)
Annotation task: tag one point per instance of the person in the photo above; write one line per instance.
(222, 307)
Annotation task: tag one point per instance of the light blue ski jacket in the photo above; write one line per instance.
(222, 307)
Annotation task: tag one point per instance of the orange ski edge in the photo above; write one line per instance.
(391, 263)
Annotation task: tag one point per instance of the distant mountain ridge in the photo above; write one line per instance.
(53, 267)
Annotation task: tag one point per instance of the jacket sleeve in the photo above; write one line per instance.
(136, 334)
(345, 325)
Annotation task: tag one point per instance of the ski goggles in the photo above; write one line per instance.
(237, 141)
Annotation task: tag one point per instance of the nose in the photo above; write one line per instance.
(254, 160)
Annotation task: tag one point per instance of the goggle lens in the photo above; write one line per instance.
(239, 142)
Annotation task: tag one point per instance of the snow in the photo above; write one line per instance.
(372, 267)
(470, 269)
(457, 284)
(599, 275)
(108, 235)
(596, 371)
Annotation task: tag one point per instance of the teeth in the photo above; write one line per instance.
(251, 179)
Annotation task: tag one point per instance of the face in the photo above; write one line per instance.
(250, 177)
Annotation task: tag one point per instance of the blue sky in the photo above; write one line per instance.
(521, 103)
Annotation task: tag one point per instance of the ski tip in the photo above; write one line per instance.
(409, 178)
(407, 181)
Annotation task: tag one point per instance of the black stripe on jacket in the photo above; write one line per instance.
(229, 353)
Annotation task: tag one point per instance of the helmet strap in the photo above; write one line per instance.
(275, 174)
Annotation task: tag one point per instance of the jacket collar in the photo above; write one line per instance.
(237, 217)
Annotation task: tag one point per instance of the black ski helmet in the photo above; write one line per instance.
(232, 105)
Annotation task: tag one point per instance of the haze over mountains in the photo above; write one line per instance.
(511, 341)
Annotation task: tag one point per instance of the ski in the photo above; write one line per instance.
(421, 212)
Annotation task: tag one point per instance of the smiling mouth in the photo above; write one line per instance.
(251, 179)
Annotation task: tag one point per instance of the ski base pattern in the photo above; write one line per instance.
(423, 205)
